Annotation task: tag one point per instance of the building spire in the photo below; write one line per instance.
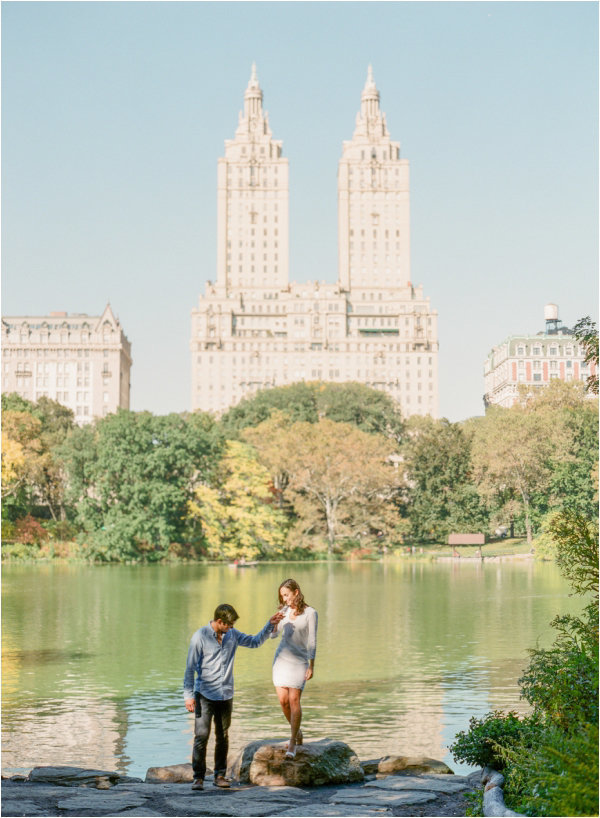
(253, 98)
(370, 90)
(253, 88)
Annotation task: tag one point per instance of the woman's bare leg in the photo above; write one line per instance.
(295, 720)
(283, 694)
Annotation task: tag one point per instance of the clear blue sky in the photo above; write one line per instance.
(114, 115)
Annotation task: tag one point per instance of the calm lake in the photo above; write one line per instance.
(93, 657)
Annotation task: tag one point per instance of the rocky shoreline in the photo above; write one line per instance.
(390, 786)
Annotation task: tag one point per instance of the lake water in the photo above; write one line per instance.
(93, 657)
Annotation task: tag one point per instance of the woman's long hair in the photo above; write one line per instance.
(300, 604)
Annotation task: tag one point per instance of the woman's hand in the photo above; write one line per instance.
(309, 674)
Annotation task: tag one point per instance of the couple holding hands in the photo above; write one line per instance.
(208, 680)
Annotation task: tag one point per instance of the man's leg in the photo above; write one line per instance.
(222, 721)
(204, 714)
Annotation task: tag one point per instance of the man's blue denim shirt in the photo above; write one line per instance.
(212, 663)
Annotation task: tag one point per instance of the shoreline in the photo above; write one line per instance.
(425, 555)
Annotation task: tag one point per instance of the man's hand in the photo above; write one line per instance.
(190, 705)
(276, 618)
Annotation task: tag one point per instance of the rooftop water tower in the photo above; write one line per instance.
(552, 320)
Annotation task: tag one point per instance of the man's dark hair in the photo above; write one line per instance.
(226, 613)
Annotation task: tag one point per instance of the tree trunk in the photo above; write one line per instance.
(527, 519)
(331, 524)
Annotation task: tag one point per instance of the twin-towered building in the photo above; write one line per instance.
(254, 329)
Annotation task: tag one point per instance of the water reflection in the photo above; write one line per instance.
(93, 658)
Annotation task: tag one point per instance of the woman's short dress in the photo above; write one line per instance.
(297, 647)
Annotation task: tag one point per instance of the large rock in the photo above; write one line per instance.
(239, 769)
(174, 774)
(392, 765)
(370, 766)
(79, 777)
(317, 763)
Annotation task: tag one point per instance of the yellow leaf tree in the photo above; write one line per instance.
(341, 480)
(238, 514)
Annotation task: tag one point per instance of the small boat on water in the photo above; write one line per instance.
(243, 564)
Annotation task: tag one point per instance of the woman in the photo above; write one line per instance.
(294, 660)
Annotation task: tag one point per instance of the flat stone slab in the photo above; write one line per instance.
(199, 804)
(380, 798)
(283, 793)
(79, 776)
(97, 800)
(146, 813)
(411, 782)
(160, 789)
(333, 811)
(29, 791)
(23, 808)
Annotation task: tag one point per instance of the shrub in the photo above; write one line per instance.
(558, 777)
(29, 532)
(475, 802)
(17, 552)
(562, 682)
(61, 529)
(484, 743)
(8, 530)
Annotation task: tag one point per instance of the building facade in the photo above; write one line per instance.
(81, 361)
(533, 361)
(253, 329)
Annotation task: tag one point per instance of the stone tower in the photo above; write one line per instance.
(373, 203)
(252, 203)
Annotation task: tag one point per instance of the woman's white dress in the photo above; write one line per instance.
(297, 647)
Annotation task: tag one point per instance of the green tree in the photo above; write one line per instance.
(135, 474)
(571, 417)
(297, 401)
(337, 476)
(368, 409)
(37, 429)
(512, 452)
(586, 332)
(238, 513)
(441, 495)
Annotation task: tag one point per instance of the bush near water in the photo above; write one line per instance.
(550, 757)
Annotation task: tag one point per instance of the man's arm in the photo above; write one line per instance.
(244, 640)
(194, 661)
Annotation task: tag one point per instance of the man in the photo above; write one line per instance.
(210, 695)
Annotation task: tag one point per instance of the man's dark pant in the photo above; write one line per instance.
(206, 710)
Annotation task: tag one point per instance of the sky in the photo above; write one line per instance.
(114, 115)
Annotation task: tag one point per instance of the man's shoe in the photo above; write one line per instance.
(198, 784)
(221, 781)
